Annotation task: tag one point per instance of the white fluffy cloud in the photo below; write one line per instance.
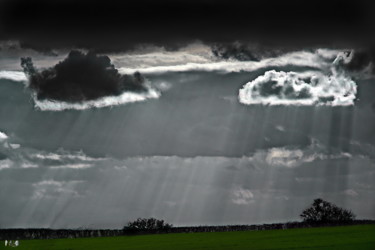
(292, 88)
(4, 164)
(284, 157)
(295, 157)
(318, 87)
(3, 136)
(52, 189)
(242, 196)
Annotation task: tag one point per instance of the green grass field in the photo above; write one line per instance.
(348, 237)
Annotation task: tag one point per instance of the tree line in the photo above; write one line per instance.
(319, 213)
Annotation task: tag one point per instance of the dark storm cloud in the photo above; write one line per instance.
(81, 77)
(118, 25)
(362, 59)
(246, 51)
(237, 51)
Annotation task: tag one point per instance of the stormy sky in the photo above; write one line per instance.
(197, 112)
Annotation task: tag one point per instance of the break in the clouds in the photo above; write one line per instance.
(301, 88)
(83, 81)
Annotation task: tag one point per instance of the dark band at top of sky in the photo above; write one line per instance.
(118, 25)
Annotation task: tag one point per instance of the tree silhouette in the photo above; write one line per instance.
(323, 211)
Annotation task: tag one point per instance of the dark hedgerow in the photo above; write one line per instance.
(146, 225)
